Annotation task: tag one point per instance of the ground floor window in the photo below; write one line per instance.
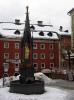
(42, 65)
(51, 65)
(35, 65)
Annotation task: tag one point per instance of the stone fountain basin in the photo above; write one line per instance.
(37, 87)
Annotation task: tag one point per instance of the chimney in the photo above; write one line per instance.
(17, 21)
(40, 23)
(61, 28)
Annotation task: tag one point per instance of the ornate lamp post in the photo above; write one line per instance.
(32, 28)
(16, 71)
(69, 62)
(70, 75)
(5, 72)
(27, 83)
(26, 70)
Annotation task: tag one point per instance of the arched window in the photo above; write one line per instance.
(50, 34)
(41, 33)
(32, 27)
(17, 32)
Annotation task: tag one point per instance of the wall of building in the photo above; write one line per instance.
(65, 47)
(47, 56)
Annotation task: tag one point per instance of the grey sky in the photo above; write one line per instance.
(50, 11)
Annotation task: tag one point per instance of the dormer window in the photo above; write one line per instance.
(41, 33)
(50, 34)
(32, 27)
(17, 32)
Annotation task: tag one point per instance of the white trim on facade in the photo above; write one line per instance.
(6, 55)
(42, 46)
(16, 55)
(42, 56)
(6, 44)
(42, 65)
(35, 56)
(17, 45)
(51, 65)
(34, 46)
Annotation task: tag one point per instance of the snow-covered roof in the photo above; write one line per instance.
(36, 35)
(9, 32)
(11, 28)
(65, 33)
(70, 12)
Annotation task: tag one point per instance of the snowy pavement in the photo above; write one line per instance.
(50, 94)
(54, 90)
(63, 83)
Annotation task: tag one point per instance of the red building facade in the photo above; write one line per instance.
(45, 54)
(10, 55)
(65, 41)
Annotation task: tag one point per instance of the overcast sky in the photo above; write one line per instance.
(50, 11)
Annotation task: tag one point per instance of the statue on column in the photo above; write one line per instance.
(26, 70)
(27, 83)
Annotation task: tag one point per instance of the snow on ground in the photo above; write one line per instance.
(50, 94)
(40, 76)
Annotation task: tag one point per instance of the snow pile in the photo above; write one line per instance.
(38, 76)
(43, 77)
(7, 80)
(1, 82)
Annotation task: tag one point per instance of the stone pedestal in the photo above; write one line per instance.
(37, 87)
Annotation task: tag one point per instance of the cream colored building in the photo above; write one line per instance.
(71, 13)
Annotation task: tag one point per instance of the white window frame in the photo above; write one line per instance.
(35, 55)
(36, 66)
(34, 46)
(16, 67)
(6, 44)
(6, 57)
(17, 45)
(16, 55)
(41, 56)
(42, 45)
(51, 55)
(51, 46)
(6, 67)
(51, 64)
(43, 64)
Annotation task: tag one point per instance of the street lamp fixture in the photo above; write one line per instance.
(5, 72)
(69, 62)
(32, 28)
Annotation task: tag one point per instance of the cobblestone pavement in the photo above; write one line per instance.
(63, 83)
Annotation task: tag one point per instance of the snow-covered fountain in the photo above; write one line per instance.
(27, 83)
